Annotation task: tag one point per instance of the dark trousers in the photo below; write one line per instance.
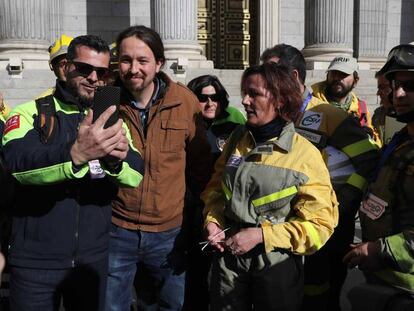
(81, 288)
(325, 273)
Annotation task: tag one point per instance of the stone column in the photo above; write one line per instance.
(176, 22)
(26, 30)
(328, 30)
(269, 23)
(371, 31)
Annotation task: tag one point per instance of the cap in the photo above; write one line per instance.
(344, 64)
(59, 47)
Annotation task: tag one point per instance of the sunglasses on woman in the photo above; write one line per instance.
(85, 70)
(202, 98)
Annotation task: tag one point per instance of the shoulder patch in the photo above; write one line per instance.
(12, 123)
(311, 119)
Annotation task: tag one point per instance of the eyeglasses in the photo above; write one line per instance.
(403, 54)
(204, 97)
(407, 86)
(86, 69)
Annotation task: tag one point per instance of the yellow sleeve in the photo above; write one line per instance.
(376, 138)
(315, 215)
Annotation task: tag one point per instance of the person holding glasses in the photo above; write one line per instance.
(62, 209)
(386, 254)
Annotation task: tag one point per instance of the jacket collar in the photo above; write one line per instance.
(284, 141)
(66, 97)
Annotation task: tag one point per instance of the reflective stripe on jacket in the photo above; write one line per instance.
(333, 127)
(281, 185)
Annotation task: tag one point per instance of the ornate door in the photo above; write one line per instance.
(226, 31)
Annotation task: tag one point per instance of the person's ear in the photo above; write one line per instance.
(295, 74)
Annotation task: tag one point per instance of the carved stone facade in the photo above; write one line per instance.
(204, 36)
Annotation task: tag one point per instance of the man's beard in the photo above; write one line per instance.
(84, 100)
(332, 92)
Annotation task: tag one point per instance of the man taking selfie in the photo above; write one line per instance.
(68, 170)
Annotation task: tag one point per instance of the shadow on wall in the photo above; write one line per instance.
(407, 22)
(107, 18)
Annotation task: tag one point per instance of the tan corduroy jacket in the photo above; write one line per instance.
(174, 149)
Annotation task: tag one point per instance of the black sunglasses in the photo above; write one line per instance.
(86, 69)
(204, 97)
(407, 86)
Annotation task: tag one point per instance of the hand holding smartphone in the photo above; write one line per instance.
(106, 96)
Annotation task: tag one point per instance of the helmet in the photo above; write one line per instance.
(59, 47)
(400, 58)
(114, 56)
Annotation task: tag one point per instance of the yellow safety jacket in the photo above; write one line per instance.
(348, 151)
(362, 114)
(281, 186)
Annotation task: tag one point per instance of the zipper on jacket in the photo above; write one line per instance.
(76, 231)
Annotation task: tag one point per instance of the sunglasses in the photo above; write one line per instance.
(407, 86)
(204, 97)
(85, 70)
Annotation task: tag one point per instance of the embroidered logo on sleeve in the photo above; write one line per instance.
(373, 206)
(12, 123)
(234, 161)
(311, 120)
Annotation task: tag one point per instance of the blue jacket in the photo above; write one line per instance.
(61, 216)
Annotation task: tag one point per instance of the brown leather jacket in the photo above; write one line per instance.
(175, 148)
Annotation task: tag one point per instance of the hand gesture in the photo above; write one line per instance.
(95, 142)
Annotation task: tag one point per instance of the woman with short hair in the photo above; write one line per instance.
(220, 118)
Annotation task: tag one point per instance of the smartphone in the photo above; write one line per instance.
(106, 96)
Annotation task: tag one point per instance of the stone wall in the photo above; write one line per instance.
(292, 19)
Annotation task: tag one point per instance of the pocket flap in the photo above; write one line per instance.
(174, 124)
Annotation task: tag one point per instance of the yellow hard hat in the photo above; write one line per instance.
(59, 47)
(114, 56)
